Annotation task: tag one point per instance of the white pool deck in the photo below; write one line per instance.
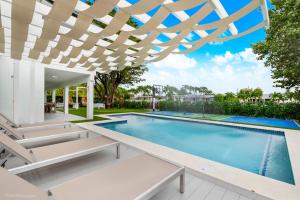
(223, 177)
(60, 116)
(196, 188)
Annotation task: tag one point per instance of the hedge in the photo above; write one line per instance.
(133, 104)
(268, 109)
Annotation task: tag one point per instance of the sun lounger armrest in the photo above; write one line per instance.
(156, 188)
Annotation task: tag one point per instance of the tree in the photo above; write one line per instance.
(203, 90)
(229, 96)
(121, 95)
(219, 97)
(244, 94)
(143, 90)
(277, 97)
(257, 93)
(107, 84)
(281, 48)
(170, 91)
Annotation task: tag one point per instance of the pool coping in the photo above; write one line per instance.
(243, 182)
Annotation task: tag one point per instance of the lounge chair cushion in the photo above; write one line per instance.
(65, 148)
(125, 180)
(13, 187)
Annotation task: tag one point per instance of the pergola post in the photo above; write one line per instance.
(45, 96)
(76, 103)
(66, 100)
(54, 96)
(90, 97)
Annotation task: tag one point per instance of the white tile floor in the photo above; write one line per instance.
(60, 116)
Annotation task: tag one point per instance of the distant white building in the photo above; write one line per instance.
(193, 98)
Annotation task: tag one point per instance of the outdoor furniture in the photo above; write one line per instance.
(138, 178)
(49, 133)
(45, 124)
(50, 107)
(99, 105)
(59, 105)
(56, 153)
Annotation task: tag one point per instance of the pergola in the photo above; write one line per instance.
(49, 44)
(73, 34)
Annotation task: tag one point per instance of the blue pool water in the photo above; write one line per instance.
(263, 121)
(260, 152)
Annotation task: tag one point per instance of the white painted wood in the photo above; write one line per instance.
(66, 100)
(90, 97)
(54, 96)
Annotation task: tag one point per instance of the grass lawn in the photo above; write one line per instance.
(82, 113)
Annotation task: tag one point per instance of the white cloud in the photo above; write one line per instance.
(177, 61)
(221, 73)
(246, 56)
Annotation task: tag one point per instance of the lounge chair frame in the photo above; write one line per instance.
(43, 126)
(12, 131)
(156, 188)
(36, 140)
(36, 165)
(29, 165)
(28, 127)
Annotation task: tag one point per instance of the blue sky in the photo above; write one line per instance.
(223, 67)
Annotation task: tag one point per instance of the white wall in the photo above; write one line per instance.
(25, 100)
(6, 87)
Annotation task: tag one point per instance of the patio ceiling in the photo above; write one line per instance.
(63, 32)
(55, 78)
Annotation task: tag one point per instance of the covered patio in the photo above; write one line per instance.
(57, 78)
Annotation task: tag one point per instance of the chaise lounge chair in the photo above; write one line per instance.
(51, 154)
(138, 178)
(51, 133)
(46, 124)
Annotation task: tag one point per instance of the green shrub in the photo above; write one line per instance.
(269, 109)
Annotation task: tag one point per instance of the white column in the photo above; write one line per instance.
(54, 96)
(90, 98)
(45, 96)
(76, 103)
(66, 100)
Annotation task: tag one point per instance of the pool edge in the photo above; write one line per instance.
(243, 181)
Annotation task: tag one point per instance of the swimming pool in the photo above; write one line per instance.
(258, 151)
(281, 123)
(263, 121)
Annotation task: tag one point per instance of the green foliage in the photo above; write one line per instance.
(142, 90)
(137, 104)
(269, 109)
(106, 85)
(281, 48)
(246, 94)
